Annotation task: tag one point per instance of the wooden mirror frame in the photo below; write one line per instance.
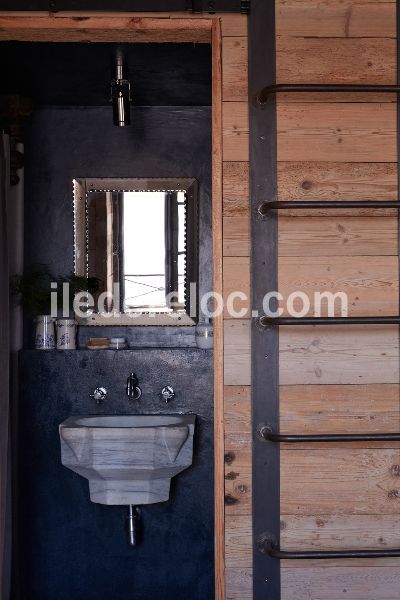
(84, 186)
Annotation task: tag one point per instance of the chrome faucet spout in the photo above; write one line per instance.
(133, 390)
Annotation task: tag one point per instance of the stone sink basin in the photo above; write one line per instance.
(128, 459)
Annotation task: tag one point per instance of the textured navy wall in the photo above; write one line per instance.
(64, 143)
(72, 549)
(68, 548)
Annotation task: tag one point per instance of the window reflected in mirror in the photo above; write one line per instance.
(143, 240)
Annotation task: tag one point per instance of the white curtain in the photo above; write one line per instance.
(5, 493)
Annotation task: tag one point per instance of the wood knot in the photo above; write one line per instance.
(229, 457)
(393, 494)
(231, 475)
(395, 470)
(230, 500)
(242, 488)
(306, 184)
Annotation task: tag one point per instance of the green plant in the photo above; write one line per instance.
(77, 283)
(32, 289)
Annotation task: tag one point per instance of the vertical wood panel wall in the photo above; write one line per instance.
(339, 379)
(236, 277)
(339, 147)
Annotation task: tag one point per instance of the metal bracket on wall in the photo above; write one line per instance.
(194, 6)
(214, 6)
(264, 361)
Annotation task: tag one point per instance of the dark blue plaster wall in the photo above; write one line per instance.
(64, 143)
(68, 548)
(72, 549)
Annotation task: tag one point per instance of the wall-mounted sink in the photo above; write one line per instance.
(128, 459)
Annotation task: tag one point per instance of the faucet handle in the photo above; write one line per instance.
(133, 391)
(167, 393)
(99, 394)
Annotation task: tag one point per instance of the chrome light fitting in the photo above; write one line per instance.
(120, 93)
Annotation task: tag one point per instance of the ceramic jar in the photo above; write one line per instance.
(45, 333)
(66, 334)
(205, 335)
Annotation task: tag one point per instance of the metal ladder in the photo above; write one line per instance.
(265, 360)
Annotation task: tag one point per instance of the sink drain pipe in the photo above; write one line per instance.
(133, 523)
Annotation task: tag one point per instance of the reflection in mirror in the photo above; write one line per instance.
(141, 244)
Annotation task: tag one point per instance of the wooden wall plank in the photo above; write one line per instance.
(238, 549)
(238, 486)
(371, 286)
(333, 132)
(313, 579)
(234, 69)
(335, 481)
(365, 478)
(338, 355)
(236, 236)
(336, 532)
(327, 19)
(97, 28)
(236, 189)
(233, 24)
(239, 584)
(236, 279)
(235, 131)
(237, 409)
(335, 236)
(336, 583)
(237, 352)
(238, 472)
(350, 60)
(236, 250)
(338, 181)
(372, 19)
(336, 408)
(238, 450)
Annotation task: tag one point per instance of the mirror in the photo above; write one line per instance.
(139, 238)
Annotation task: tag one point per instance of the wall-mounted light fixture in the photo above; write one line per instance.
(120, 93)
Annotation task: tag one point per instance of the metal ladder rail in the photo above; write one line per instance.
(268, 91)
(268, 545)
(264, 543)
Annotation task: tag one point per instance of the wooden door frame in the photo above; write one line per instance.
(158, 28)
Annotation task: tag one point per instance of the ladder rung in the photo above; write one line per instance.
(275, 552)
(264, 95)
(267, 434)
(265, 207)
(265, 321)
